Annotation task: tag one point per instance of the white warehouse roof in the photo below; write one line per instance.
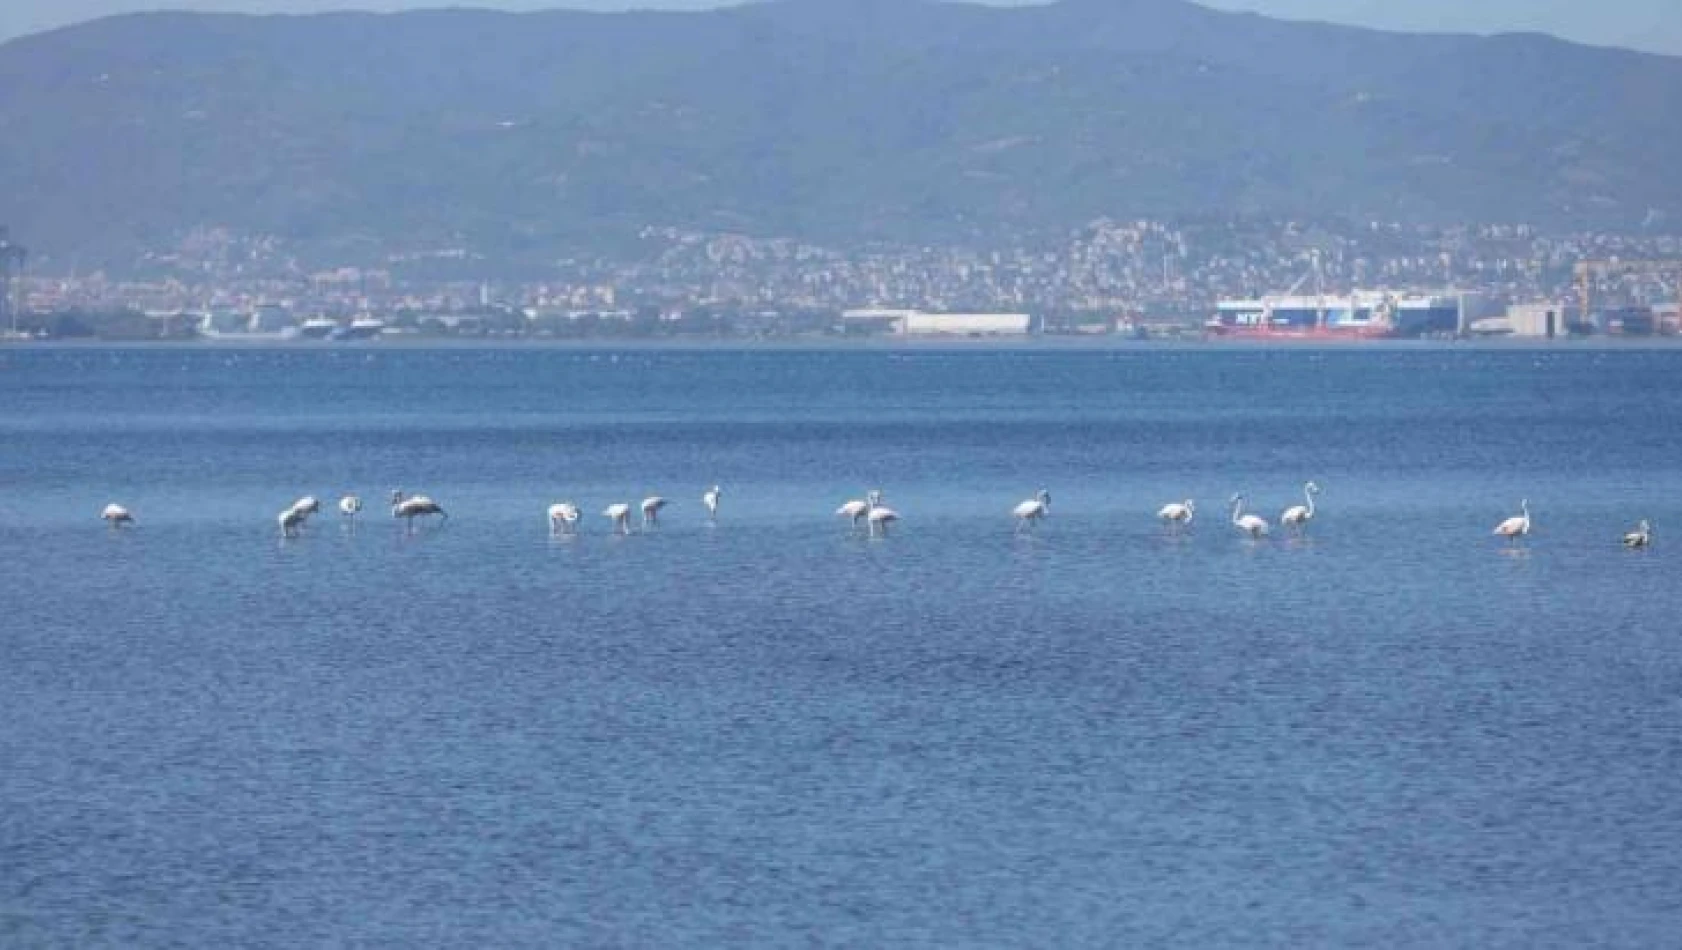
(918, 323)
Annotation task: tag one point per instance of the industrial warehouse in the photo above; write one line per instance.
(919, 323)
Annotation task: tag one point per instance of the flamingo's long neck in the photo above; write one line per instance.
(1310, 496)
(1237, 509)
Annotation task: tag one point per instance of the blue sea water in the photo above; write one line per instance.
(1393, 730)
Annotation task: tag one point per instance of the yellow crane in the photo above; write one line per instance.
(1589, 272)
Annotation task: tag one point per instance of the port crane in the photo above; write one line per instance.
(1589, 273)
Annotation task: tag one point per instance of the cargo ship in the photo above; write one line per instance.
(1358, 315)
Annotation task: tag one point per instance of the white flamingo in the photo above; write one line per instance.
(1031, 511)
(651, 509)
(1641, 537)
(854, 510)
(1180, 514)
(563, 516)
(410, 508)
(1298, 516)
(350, 506)
(1253, 525)
(293, 518)
(710, 498)
(880, 515)
(859, 509)
(116, 515)
(620, 514)
(1517, 526)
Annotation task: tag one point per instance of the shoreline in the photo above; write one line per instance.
(879, 344)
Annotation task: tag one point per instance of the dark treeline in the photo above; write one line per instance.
(119, 323)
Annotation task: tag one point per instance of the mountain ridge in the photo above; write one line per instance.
(950, 122)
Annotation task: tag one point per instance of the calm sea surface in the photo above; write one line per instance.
(771, 731)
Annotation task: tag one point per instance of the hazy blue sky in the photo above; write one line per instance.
(1645, 24)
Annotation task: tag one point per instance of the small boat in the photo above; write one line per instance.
(316, 328)
(362, 328)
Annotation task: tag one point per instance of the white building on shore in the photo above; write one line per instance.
(919, 323)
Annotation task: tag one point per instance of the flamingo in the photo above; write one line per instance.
(1641, 537)
(880, 516)
(1252, 525)
(350, 506)
(651, 509)
(1298, 516)
(620, 513)
(117, 515)
(1032, 510)
(563, 516)
(1517, 526)
(398, 497)
(1179, 514)
(410, 508)
(859, 509)
(293, 518)
(854, 510)
(710, 498)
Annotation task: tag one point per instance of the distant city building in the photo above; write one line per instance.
(1208, 278)
(968, 324)
(1543, 321)
(919, 323)
(1632, 320)
(224, 320)
(270, 318)
(1667, 318)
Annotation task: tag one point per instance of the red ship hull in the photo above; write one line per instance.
(1286, 333)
